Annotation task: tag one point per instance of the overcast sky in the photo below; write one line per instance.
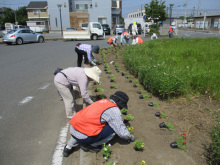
(130, 5)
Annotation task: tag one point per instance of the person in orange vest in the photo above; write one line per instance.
(113, 41)
(171, 30)
(137, 40)
(125, 37)
(98, 123)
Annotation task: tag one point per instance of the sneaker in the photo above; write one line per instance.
(67, 152)
(90, 148)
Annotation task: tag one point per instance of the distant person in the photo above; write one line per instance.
(134, 29)
(75, 76)
(113, 41)
(85, 50)
(172, 27)
(98, 123)
(125, 37)
(137, 40)
(154, 36)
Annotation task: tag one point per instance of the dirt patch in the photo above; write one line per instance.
(193, 116)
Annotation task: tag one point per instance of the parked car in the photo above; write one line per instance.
(119, 28)
(138, 28)
(20, 36)
(106, 29)
(71, 28)
(84, 26)
(2, 30)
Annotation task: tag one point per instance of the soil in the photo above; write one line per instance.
(192, 115)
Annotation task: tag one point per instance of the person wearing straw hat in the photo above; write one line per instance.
(75, 76)
(98, 123)
(172, 27)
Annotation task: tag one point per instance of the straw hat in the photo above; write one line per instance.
(93, 73)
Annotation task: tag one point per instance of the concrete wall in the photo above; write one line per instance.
(54, 14)
(74, 2)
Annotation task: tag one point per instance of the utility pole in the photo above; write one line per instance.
(185, 13)
(171, 5)
(199, 8)
(204, 20)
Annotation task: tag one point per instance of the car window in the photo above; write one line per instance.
(11, 31)
(95, 25)
(119, 26)
(84, 25)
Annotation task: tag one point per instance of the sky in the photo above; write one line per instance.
(211, 6)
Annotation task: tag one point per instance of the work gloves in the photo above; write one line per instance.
(132, 139)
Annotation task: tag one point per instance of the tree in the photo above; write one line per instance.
(21, 15)
(8, 16)
(155, 11)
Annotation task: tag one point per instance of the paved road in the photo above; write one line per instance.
(31, 114)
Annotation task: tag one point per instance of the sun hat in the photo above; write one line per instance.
(93, 73)
(95, 48)
(173, 24)
(116, 37)
(120, 98)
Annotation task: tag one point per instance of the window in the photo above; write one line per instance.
(56, 22)
(39, 23)
(81, 6)
(95, 25)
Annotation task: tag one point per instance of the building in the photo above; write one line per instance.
(38, 17)
(211, 22)
(76, 12)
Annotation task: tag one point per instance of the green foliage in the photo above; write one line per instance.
(110, 163)
(154, 28)
(129, 117)
(106, 151)
(9, 16)
(143, 92)
(130, 129)
(21, 15)
(99, 89)
(155, 11)
(112, 76)
(155, 104)
(114, 86)
(169, 68)
(113, 79)
(180, 142)
(213, 150)
(146, 96)
(124, 110)
(163, 115)
(170, 126)
(139, 145)
(142, 163)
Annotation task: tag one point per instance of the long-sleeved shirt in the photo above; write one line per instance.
(113, 117)
(88, 49)
(75, 77)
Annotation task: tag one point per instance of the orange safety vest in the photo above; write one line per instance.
(125, 33)
(88, 120)
(170, 29)
(140, 40)
(110, 40)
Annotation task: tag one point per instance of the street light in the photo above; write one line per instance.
(59, 6)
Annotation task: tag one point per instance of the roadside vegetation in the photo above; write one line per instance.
(169, 68)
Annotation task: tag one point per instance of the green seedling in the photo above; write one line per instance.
(99, 89)
(130, 77)
(130, 129)
(163, 115)
(146, 96)
(139, 145)
(142, 163)
(143, 92)
(170, 126)
(181, 143)
(112, 76)
(135, 81)
(124, 110)
(114, 86)
(129, 117)
(106, 151)
(113, 80)
(155, 104)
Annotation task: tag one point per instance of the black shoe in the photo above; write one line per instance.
(67, 152)
(90, 148)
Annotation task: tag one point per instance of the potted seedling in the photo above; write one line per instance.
(114, 86)
(130, 129)
(97, 83)
(98, 90)
(167, 125)
(130, 77)
(102, 96)
(145, 96)
(139, 145)
(130, 81)
(142, 163)
(161, 115)
(135, 81)
(112, 80)
(124, 111)
(180, 142)
(123, 74)
(155, 104)
(106, 151)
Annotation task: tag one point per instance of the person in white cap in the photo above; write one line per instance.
(172, 27)
(75, 76)
(154, 36)
(125, 37)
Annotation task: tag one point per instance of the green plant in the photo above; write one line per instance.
(130, 77)
(106, 151)
(112, 76)
(109, 72)
(156, 104)
(142, 163)
(124, 110)
(99, 89)
(135, 81)
(139, 145)
(113, 79)
(130, 129)
(181, 142)
(110, 163)
(170, 126)
(143, 92)
(102, 96)
(129, 117)
(146, 96)
(138, 85)
(114, 86)
(163, 115)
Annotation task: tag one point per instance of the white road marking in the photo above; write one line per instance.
(57, 156)
(26, 100)
(45, 86)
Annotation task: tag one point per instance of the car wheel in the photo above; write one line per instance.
(8, 43)
(41, 39)
(19, 41)
(94, 37)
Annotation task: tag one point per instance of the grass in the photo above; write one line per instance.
(170, 68)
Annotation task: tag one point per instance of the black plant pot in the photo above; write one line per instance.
(139, 92)
(94, 83)
(134, 85)
(111, 87)
(105, 69)
(126, 77)
(141, 97)
(130, 81)
(162, 125)
(96, 90)
(150, 104)
(122, 74)
(126, 122)
(157, 114)
(174, 145)
(111, 80)
(118, 71)
(124, 113)
(109, 76)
